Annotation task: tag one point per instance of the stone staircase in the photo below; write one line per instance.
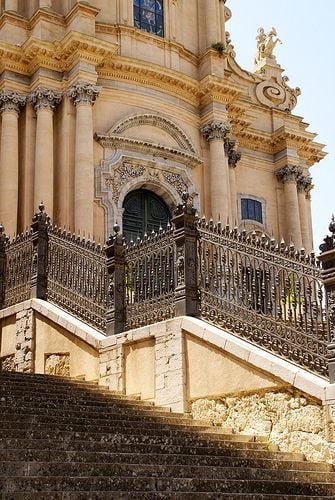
(69, 439)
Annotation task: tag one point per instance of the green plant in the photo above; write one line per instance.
(219, 47)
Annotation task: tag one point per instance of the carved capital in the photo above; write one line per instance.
(11, 101)
(43, 98)
(290, 173)
(84, 93)
(215, 130)
(304, 184)
(231, 152)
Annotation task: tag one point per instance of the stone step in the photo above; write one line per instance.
(47, 380)
(129, 436)
(79, 469)
(240, 458)
(67, 415)
(159, 484)
(105, 427)
(133, 446)
(126, 427)
(130, 495)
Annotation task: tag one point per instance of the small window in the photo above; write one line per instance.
(251, 209)
(148, 16)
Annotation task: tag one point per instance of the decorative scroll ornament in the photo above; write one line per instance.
(84, 93)
(231, 152)
(290, 173)
(11, 101)
(230, 49)
(43, 98)
(215, 130)
(329, 241)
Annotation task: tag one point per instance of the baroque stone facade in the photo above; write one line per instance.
(117, 109)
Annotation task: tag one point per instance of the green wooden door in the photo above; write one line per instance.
(144, 212)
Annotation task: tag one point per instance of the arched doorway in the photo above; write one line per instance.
(144, 212)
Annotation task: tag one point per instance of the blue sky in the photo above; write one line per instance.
(307, 31)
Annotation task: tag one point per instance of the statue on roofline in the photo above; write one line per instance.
(266, 44)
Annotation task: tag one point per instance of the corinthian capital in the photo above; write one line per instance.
(84, 93)
(43, 98)
(215, 130)
(231, 152)
(304, 183)
(290, 173)
(11, 101)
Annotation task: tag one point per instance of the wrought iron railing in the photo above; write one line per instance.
(262, 291)
(77, 276)
(150, 279)
(19, 255)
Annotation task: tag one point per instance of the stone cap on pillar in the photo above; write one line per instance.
(215, 129)
(83, 93)
(289, 173)
(44, 98)
(11, 101)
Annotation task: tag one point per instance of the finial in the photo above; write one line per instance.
(116, 228)
(2, 229)
(41, 206)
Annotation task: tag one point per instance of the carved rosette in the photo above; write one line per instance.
(11, 101)
(43, 98)
(215, 130)
(84, 93)
(231, 152)
(304, 184)
(290, 173)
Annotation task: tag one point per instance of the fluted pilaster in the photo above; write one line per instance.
(84, 96)
(233, 157)
(44, 101)
(216, 132)
(289, 176)
(10, 106)
(304, 185)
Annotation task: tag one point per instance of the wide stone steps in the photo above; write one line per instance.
(70, 440)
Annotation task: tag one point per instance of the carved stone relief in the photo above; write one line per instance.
(57, 364)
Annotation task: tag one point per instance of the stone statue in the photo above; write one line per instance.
(266, 44)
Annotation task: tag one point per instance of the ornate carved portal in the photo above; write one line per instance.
(116, 179)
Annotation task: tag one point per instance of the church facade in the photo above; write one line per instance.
(110, 111)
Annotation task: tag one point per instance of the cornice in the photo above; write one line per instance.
(177, 155)
(214, 89)
(81, 7)
(151, 75)
(14, 19)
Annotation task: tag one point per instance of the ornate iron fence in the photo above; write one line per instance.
(264, 292)
(77, 276)
(150, 279)
(19, 258)
(257, 289)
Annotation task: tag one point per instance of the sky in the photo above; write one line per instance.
(307, 31)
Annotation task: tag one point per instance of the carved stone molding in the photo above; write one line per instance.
(84, 93)
(290, 173)
(128, 171)
(304, 183)
(11, 101)
(43, 98)
(231, 152)
(215, 130)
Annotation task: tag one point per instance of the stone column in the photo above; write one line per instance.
(233, 157)
(84, 96)
(288, 176)
(304, 185)
(44, 101)
(215, 132)
(222, 20)
(11, 5)
(10, 104)
(212, 20)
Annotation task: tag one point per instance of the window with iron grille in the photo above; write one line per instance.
(148, 16)
(251, 209)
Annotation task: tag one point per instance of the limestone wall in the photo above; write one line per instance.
(290, 420)
(38, 337)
